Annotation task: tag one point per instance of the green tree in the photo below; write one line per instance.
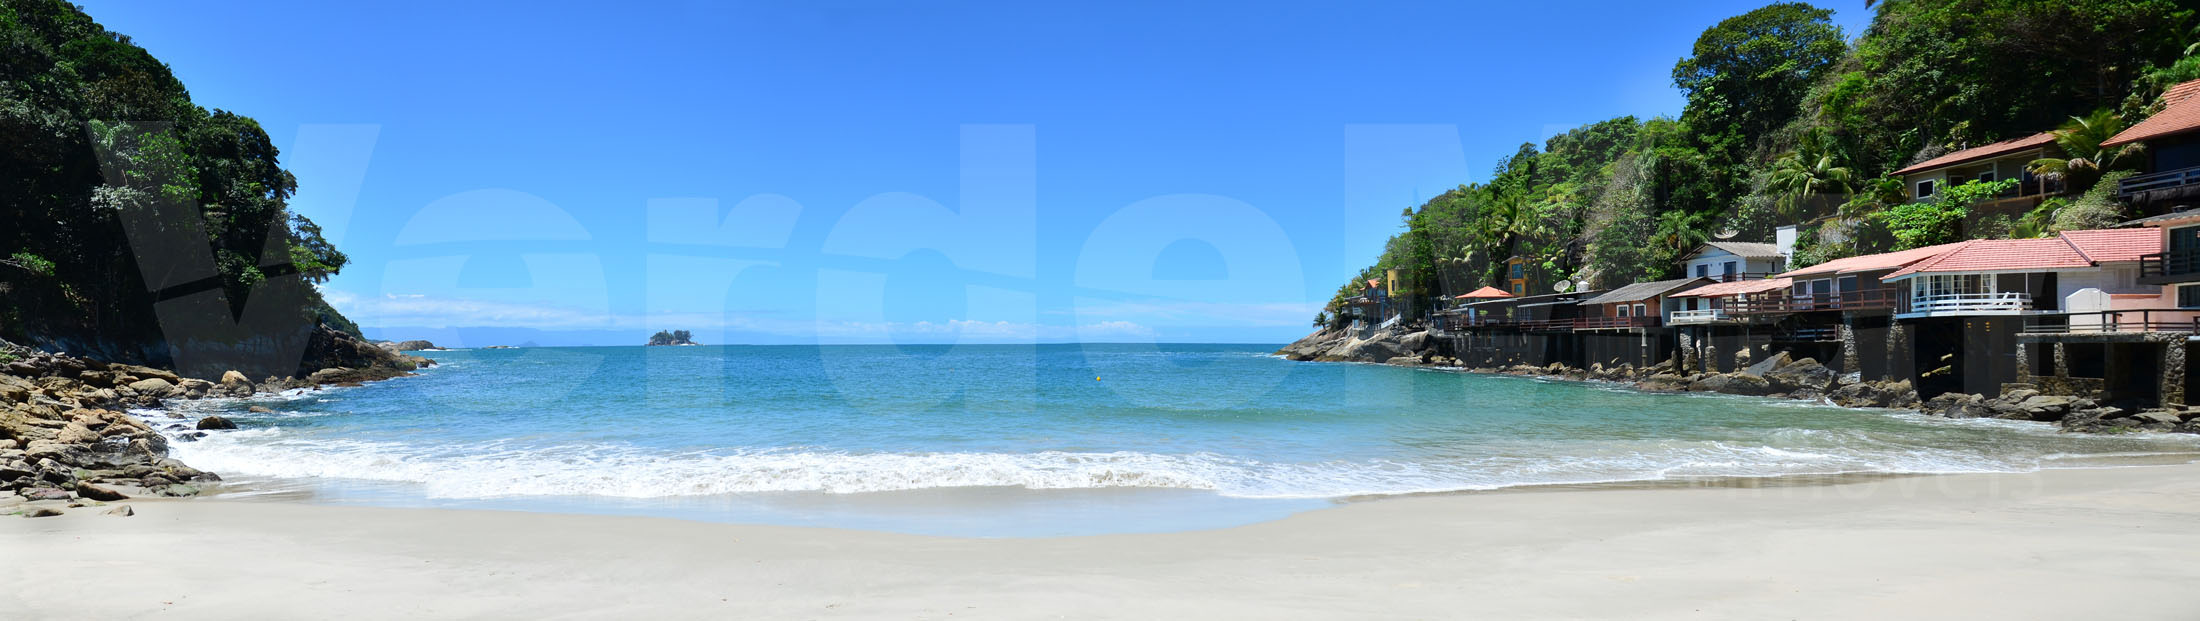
(1939, 221)
(1746, 78)
(1680, 231)
(1807, 177)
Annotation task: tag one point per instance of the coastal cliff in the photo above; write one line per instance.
(139, 228)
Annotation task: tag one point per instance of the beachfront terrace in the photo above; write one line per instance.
(1967, 303)
(2169, 267)
(1697, 317)
(2114, 322)
(1614, 323)
(1778, 302)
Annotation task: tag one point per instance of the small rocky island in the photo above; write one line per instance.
(671, 337)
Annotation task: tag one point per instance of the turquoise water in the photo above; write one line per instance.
(1051, 439)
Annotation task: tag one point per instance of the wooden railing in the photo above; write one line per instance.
(1786, 302)
(1985, 302)
(2110, 322)
(1604, 323)
(1546, 325)
(1697, 316)
(2167, 265)
(1737, 276)
(2158, 181)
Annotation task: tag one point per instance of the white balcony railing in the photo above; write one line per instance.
(1994, 302)
(1697, 316)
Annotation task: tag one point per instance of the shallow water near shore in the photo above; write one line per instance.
(1015, 440)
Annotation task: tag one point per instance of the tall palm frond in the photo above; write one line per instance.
(2084, 158)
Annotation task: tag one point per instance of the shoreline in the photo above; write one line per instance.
(1966, 545)
(1774, 375)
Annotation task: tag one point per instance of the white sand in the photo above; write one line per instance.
(2119, 543)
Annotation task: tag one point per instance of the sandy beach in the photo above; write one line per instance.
(2103, 543)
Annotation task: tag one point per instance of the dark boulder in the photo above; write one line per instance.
(1766, 365)
(1800, 375)
(1957, 405)
(98, 493)
(216, 422)
(1732, 383)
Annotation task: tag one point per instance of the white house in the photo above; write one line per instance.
(2074, 272)
(1727, 261)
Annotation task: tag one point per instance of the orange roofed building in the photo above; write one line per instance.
(2172, 139)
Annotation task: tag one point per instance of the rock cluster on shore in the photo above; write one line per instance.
(63, 437)
(65, 440)
(2024, 402)
(1776, 375)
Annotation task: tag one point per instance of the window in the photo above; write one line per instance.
(1703, 269)
(1924, 189)
(2184, 239)
(1730, 270)
(1622, 310)
(1519, 270)
(1986, 177)
(2188, 296)
(1641, 310)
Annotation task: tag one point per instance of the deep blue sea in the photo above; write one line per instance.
(1011, 440)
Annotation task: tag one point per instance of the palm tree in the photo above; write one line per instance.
(2081, 139)
(1808, 172)
(1678, 230)
(2039, 222)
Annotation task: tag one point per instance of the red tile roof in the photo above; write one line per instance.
(1871, 262)
(2070, 250)
(2181, 114)
(1483, 294)
(2004, 147)
(1738, 287)
(2111, 245)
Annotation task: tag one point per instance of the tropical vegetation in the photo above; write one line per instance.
(118, 194)
(1789, 120)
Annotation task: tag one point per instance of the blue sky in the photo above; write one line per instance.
(905, 172)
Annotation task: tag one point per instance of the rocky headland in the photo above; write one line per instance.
(66, 441)
(1775, 376)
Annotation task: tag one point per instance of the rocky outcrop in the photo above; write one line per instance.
(1416, 348)
(405, 346)
(62, 439)
(333, 357)
(1312, 345)
(2078, 414)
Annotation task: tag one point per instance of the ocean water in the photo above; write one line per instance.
(1009, 440)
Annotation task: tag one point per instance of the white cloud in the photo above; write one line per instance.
(1249, 314)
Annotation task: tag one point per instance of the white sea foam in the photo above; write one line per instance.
(502, 469)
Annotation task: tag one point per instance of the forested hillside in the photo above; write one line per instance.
(1791, 121)
(135, 224)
